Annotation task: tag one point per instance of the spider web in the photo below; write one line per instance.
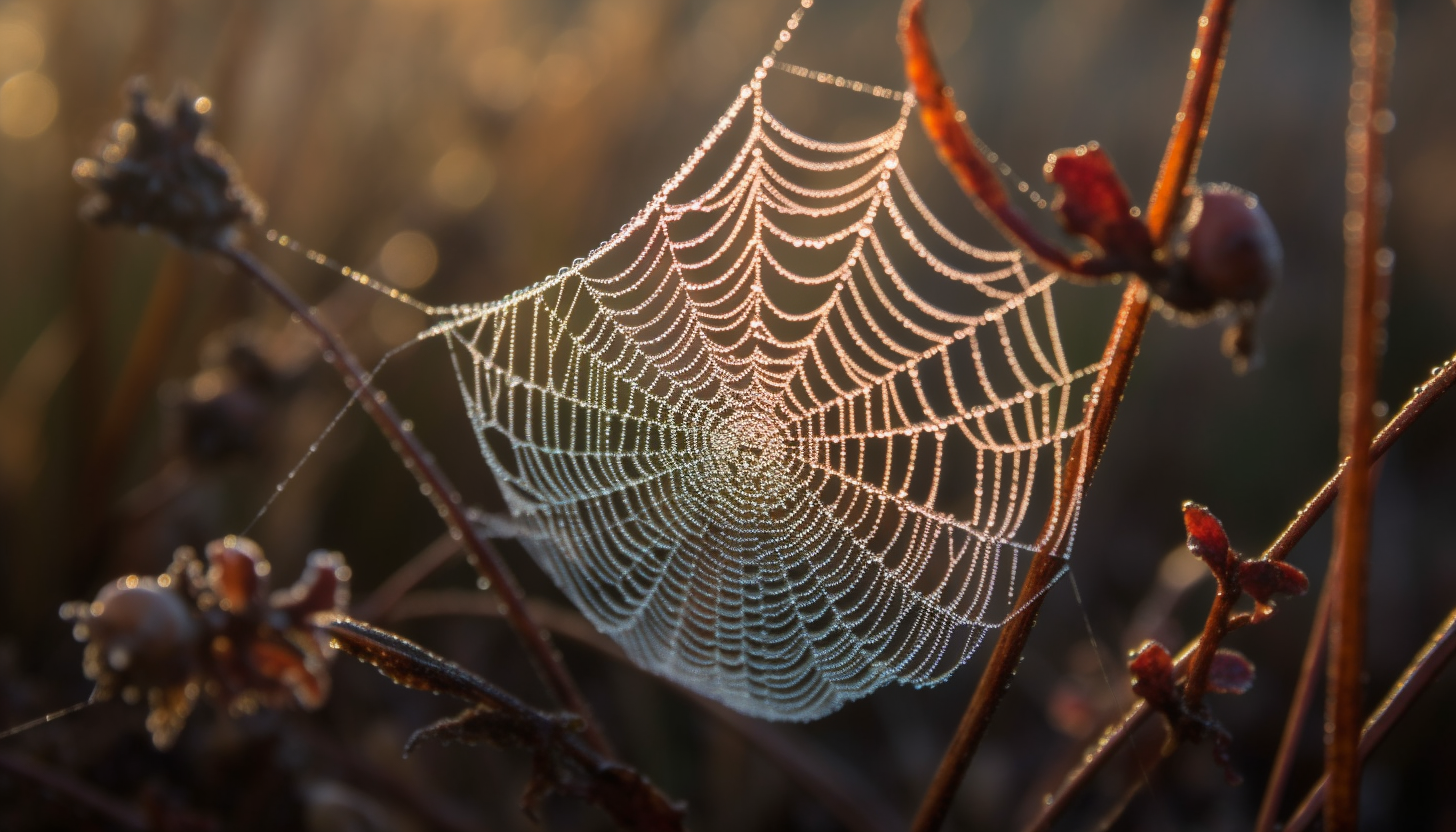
(781, 435)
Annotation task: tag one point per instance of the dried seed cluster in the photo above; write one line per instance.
(211, 627)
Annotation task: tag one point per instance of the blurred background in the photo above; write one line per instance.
(465, 148)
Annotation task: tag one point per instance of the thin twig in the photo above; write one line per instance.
(562, 762)
(433, 483)
(382, 600)
(1215, 627)
(1179, 163)
(76, 792)
(150, 347)
(1418, 676)
(856, 804)
(437, 810)
(1096, 756)
(1349, 612)
(1299, 708)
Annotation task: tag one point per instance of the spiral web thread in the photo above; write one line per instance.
(780, 436)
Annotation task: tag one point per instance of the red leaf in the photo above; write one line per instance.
(1095, 204)
(1263, 579)
(1152, 675)
(1206, 538)
(1230, 672)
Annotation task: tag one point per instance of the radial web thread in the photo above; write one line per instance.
(779, 436)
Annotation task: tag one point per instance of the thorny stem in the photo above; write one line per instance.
(433, 483)
(1112, 738)
(1179, 163)
(1370, 52)
(1418, 676)
(1299, 707)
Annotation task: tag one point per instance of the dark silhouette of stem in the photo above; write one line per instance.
(856, 804)
(1112, 738)
(1180, 160)
(76, 792)
(382, 600)
(433, 483)
(1418, 676)
(1365, 172)
(1299, 707)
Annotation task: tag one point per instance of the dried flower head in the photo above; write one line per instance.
(160, 171)
(212, 628)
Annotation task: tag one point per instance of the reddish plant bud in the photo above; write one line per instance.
(1152, 676)
(1207, 540)
(1094, 204)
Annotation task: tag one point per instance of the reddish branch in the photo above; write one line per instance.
(1299, 707)
(1370, 51)
(1112, 738)
(1428, 664)
(974, 174)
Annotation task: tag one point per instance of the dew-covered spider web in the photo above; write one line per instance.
(784, 437)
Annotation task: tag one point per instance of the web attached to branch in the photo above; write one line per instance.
(780, 436)
(783, 436)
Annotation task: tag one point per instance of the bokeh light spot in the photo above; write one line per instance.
(28, 104)
(409, 259)
(22, 49)
(463, 177)
(502, 78)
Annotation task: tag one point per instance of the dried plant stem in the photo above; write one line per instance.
(136, 388)
(1180, 160)
(382, 600)
(1364, 185)
(1418, 676)
(77, 792)
(857, 805)
(1299, 708)
(1112, 738)
(433, 483)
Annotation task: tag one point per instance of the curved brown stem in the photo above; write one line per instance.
(433, 483)
(955, 143)
(1418, 676)
(1180, 160)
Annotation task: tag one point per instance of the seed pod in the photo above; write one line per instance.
(213, 630)
(138, 633)
(1227, 259)
(1231, 250)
